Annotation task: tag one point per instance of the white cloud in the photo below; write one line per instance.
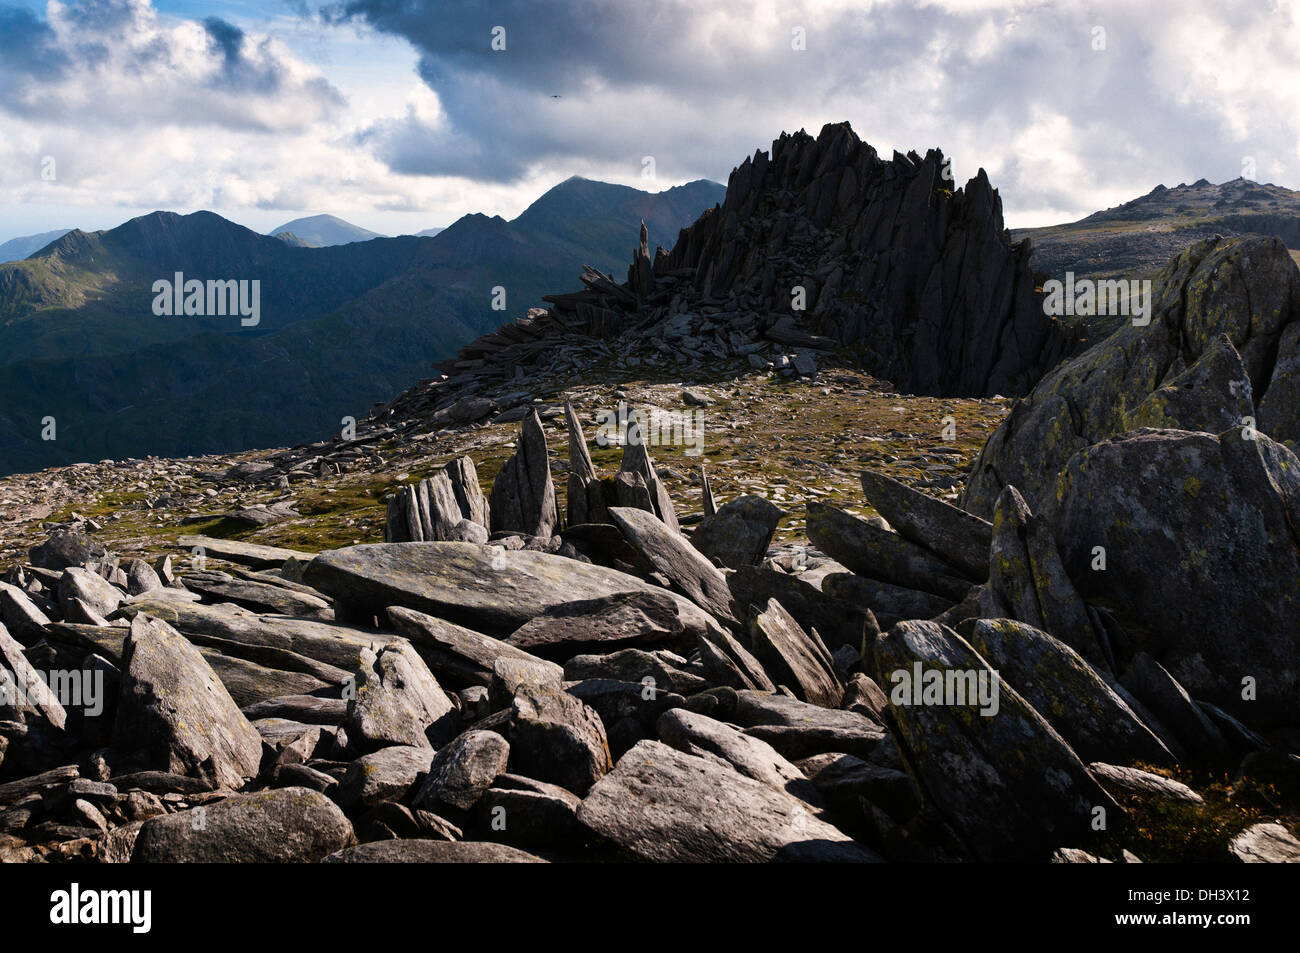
(400, 120)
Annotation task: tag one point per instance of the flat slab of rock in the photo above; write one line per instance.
(1266, 844)
(1144, 783)
(486, 588)
(704, 737)
(607, 624)
(286, 825)
(663, 805)
(1066, 691)
(24, 695)
(685, 567)
(952, 534)
(329, 642)
(256, 596)
(837, 621)
(794, 657)
(247, 554)
(462, 656)
(869, 550)
(174, 708)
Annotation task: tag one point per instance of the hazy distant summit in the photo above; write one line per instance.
(322, 231)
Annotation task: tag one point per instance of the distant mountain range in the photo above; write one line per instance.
(1138, 238)
(17, 249)
(340, 326)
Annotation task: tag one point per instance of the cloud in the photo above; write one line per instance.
(110, 64)
(1069, 105)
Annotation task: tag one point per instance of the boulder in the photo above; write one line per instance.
(837, 621)
(1067, 691)
(463, 770)
(286, 825)
(1028, 582)
(955, 536)
(554, 737)
(739, 533)
(662, 805)
(1202, 558)
(457, 655)
(704, 737)
(1266, 844)
(669, 553)
(1001, 776)
(604, 624)
(793, 657)
(1247, 289)
(175, 711)
(398, 701)
(869, 550)
(389, 774)
(486, 588)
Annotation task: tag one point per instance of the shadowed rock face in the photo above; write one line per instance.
(1202, 558)
(1178, 372)
(1006, 781)
(918, 275)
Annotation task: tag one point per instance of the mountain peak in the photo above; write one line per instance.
(324, 230)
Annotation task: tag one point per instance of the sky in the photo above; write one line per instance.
(400, 115)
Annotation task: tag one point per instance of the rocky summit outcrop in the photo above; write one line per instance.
(894, 259)
(822, 251)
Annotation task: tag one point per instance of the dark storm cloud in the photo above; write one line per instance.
(1021, 87)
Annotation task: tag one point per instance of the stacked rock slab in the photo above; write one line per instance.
(449, 506)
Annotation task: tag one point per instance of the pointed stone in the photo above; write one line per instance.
(523, 495)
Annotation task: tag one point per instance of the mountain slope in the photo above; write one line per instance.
(17, 249)
(326, 230)
(1136, 239)
(341, 327)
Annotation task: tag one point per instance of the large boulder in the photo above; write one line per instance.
(486, 588)
(1067, 691)
(739, 533)
(1001, 776)
(1202, 558)
(660, 804)
(286, 825)
(175, 711)
(1176, 372)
